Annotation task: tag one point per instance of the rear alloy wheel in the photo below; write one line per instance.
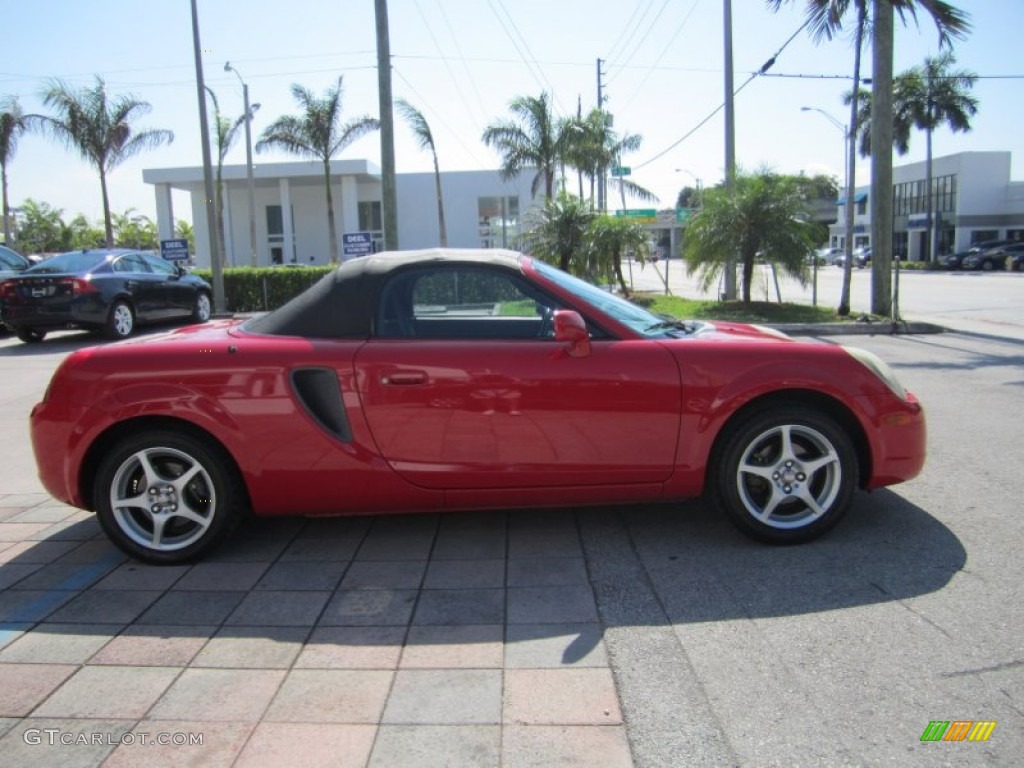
(30, 335)
(120, 322)
(201, 311)
(987, 266)
(786, 475)
(164, 497)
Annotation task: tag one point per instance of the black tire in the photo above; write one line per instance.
(987, 265)
(201, 311)
(120, 321)
(129, 505)
(30, 335)
(766, 490)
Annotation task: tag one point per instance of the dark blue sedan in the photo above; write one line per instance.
(107, 290)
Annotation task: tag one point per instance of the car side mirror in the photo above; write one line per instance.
(571, 330)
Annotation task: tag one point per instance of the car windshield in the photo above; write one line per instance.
(76, 262)
(627, 313)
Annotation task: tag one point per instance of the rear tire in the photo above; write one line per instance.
(30, 335)
(201, 311)
(166, 497)
(120, 321)
(784, 475)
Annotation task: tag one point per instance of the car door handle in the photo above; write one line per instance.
(404, 379)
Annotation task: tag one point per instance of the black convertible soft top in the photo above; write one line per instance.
(343, 304)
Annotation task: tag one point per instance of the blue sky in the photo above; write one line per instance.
(462, 61)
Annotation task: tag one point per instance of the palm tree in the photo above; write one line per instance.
(227, 132)
(557, 232)
(318, 134)
(762, 213)
(100, 129)
(535, 139)
(425, 137)
(825, 21)
(609, 238)
(13, 123)
(924, 98)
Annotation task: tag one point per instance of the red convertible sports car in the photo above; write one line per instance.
(461, 380)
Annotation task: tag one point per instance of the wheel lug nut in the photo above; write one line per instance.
(801, 476)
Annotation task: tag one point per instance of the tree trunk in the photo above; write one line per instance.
(7, 209)
(108, 228)
(881, 158)
(332, 232)
(440, 204)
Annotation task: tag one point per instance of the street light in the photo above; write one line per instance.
(848, 187)
(248, 161)
(700, 189)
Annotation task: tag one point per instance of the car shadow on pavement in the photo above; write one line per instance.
(560, 578)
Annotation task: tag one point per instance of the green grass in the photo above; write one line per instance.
(737, 311)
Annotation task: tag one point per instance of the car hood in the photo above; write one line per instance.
(740, 332)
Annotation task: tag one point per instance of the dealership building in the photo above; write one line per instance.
(973, 200)
(481, 210)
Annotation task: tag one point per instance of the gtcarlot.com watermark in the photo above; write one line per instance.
(56, 736)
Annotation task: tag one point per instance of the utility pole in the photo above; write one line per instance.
(601, 182)
(387, 128)
(204, 134)
(881, 160)
(730, 141)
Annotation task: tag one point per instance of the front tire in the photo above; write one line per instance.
(786, 475)
(120, 321)
(165, 497)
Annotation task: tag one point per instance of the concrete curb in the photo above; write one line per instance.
(856, 328)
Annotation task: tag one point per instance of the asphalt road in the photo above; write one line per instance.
(981, 302)
(840, 652)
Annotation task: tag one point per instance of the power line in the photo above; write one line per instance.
(462, 58)
(436, 115)
(636, 27)
(643, 37)
(451, 74)
(720, 107)
(668, 45)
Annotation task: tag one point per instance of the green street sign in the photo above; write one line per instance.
(638, 213)
(622, 170)
(683, 215)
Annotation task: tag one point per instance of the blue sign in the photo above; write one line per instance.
(356, 244)
(175, 249)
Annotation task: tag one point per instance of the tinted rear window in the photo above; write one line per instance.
(69, 262)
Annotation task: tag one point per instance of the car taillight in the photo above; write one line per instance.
(78, 286)
(7, 289)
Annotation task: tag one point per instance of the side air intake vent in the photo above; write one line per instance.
(320, 393)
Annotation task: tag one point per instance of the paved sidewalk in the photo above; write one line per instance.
(461, 640)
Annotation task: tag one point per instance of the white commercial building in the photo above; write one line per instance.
(972, 197)
(481, 210)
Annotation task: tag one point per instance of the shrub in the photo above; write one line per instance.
(255, 289)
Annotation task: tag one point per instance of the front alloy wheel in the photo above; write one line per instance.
(165, 497)
(787, 475)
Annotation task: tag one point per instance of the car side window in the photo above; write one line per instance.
(463, 302)
(132, 262)
(160, 266)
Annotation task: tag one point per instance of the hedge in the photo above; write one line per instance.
(256, 289)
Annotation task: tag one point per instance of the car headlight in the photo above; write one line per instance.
(880, 368)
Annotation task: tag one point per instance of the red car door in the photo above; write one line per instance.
(467, 397)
